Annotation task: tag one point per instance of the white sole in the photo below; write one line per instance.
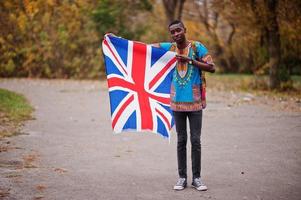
(178, 188)
(201, 188)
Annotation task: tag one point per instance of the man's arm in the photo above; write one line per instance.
(208, 67)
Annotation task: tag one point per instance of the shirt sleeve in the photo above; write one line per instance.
(165, 45)
(201, 49)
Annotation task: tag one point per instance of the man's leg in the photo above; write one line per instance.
(195, 123)
(180, 122)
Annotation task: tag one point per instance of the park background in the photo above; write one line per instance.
(62, 38)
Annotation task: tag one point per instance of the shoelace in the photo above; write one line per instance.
(181, 181)
(198, 182)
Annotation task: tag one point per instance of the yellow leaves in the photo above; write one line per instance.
(74, 9)
(26, 3)
(74, 27)
(51, 2)
(10, 67)
(196, 32)
(12, 17)
(262, 70)
(8, 4)
(9, 37)
(31, 7)
(2, 41)
(48, 38)
(73, 46)
(21, 21)
(30, 57)
(46, 18)
(83, 3)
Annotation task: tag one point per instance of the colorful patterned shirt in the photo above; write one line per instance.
(186, 83)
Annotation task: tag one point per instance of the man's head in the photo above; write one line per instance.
(177, 31)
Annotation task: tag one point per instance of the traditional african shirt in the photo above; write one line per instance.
(186, 83)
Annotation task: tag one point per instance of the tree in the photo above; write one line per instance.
(211, 14)
(48, 39)
(124, 18)
(254, 35)
(273, 43)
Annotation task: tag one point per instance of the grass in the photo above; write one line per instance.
(14, 109)
(296, 81)
(251, 83)
(229, 81)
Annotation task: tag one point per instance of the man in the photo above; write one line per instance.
(186, 100)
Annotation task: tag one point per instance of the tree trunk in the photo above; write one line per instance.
(274, 43)
(219, 51)
(233, 63)
(173, 9)
(180, 10)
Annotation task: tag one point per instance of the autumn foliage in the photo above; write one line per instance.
(61, 38)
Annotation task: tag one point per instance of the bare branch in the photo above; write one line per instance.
(230, 38)
(215, 20)
(203, 14)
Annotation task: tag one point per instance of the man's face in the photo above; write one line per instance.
(177, 32)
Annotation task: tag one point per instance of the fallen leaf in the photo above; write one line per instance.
(60, 170)
(40, 187)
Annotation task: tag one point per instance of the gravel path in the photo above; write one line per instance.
(69, 152)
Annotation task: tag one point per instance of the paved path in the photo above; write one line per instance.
(69, 152)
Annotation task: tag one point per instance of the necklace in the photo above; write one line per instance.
(183, 71)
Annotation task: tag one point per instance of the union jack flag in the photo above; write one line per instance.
(139, 78)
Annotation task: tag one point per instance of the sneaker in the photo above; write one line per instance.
(181, 184)
(197, 184)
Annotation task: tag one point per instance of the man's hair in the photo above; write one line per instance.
(176, 22)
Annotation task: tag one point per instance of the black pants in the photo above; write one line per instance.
(195, 124)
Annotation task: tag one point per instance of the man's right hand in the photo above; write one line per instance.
(182, 58)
